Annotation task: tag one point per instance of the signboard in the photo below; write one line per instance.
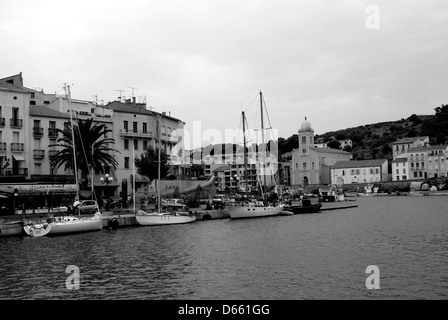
(37, 188)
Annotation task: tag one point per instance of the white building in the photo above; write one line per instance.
(362, 171)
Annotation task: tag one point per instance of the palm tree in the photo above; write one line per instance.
(92, 149)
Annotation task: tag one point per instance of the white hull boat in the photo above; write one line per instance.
(253, 211)
(37, 229)
(69, 224)
(156, 219)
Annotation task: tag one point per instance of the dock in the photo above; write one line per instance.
(326, 206)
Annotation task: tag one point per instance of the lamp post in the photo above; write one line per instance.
(106, 180)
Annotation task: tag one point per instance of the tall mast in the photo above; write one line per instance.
(262, 140)
(67, 87)
(158, 167)
(245, 153)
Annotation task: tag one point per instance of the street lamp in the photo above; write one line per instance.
(106, 180)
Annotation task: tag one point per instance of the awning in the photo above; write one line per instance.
(18, 157)
(141, 178)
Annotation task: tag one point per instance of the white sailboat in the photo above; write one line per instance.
(70, 224)
(162, 218)
(259, 208)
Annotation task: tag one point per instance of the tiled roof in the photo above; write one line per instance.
(400, 160)
(47, 112)
(358, 164)
(409, 140)
(135, 108)
(329, 150)
(11, 87)
(418, 149)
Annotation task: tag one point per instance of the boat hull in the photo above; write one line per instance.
(37, 230)
(305, 209)
(158, 219)
(241, 212)
(76, 226)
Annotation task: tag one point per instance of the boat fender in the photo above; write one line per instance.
(113, 224)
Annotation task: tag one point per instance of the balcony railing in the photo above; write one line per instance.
(38, 132)
(52, 132)
(146, 134)
(14, 172)
(3, 146)
(17, 147)
(38, 154)
(16, 123)
(127, 133)
(2, 122)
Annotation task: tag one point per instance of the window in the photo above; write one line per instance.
(126, 162)
(403, 177)
(377, 171)
(404, 170)
(134, 127)
(371, 170)
(397, 178)
(126, 144)
(397, 171)
(358, 171)
(297, 166)
(304, 165)
(352, 172)
(52, 124)
(303, 150)
(412, 164)
(343, 172)
(145, 144)
(420, 174)
(312, 165)
(125, 125)
(135, 144)
(145, 127)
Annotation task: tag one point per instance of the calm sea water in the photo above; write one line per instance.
(315, 256)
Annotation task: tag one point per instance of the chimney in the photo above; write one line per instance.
(133, 100)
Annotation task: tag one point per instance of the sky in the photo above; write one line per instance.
(340, 64)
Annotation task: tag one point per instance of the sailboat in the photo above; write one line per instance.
(162, 218)
(259, 208)
(37, 229)
(70, 224)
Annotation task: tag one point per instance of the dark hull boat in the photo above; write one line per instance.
(303, 206)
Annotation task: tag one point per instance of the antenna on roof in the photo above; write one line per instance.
(133, 91)
(120, 97)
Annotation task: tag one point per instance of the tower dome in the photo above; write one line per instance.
(306, 126)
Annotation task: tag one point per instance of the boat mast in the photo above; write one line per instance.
(245, 153)
(158, 167)
(67, 87)
(262, 141)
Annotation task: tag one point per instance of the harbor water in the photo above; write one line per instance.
(309, 256)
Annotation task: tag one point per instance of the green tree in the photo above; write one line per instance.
(92, 149)
(147, 164)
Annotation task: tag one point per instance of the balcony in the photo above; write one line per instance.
(38, 154)
(38, 132)
(17, 147)
(52, 132)
(3, 146)
(2, 122)
(16, 123)
(146, 134)
(126, 133)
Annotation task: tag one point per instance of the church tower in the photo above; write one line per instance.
(306, 138)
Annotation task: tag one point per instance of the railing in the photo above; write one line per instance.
(17, 147)
(38, 132)
(128, 133)
(38, 154)
(16, 123)
(147, 134)
(2, 122)
(3, 146)
(63, 179)
(14, 172)
(52, 132)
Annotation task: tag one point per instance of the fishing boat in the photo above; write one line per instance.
(304, 206)
(168, 216)
(258, 208)
(37, 229)
(68, 224)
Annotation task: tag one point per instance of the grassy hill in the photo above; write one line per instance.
(374, 141)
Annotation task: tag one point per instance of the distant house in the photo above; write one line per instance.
(403, 145)
(344, 143)
(362, 171)
(400, 168)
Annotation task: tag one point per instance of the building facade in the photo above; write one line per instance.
(362, 171)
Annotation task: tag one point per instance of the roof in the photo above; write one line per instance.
(329, 150)
(11, 87)
(359, 164)
(400, 160)
(410, 140)
(137, 108)
(418, 149)
(47, 112)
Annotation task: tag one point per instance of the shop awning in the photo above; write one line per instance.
(18, 157)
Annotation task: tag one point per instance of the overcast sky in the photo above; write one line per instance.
(205, 60)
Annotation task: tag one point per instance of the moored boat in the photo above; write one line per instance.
(156, 218)
(37, 229)
(253, 210)
(71, 224)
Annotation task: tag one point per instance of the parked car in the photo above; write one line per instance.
(88, 207)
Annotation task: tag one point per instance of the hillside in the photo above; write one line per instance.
(374, 141)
